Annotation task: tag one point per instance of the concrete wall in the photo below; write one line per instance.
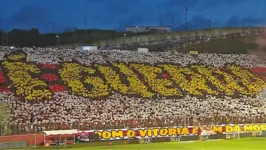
(29, 138)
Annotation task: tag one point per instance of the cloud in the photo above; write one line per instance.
(27, 17)
(207, 4)
(203, 4)
(135, 20)
(197, 22)
(182, 3)
(95, 1)
(114, 6)
(134, 12)
(106, 13)
(247, 21)
(30, 15)
(234, 21)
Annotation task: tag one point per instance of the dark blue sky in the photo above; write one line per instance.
(49, 15)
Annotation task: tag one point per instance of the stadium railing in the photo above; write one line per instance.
(32, 128)
(11, 145)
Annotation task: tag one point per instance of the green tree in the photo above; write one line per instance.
(4, 118)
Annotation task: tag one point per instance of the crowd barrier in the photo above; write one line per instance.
(9, 145)
(179, 121)
(210, 137)
(185, 138)
(146, 135)
(196, 137)
(30, 139)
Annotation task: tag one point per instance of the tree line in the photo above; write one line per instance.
(32, 37)
(76, 37)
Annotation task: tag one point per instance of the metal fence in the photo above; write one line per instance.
(119, 124)
(7, 145)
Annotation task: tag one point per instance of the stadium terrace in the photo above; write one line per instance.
(132, 79)
(99, 89)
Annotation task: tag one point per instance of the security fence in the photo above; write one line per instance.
(119, 124)
(9, 145)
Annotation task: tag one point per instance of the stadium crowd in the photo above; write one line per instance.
(174, 98)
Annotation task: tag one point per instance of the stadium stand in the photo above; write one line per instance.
(63, 88)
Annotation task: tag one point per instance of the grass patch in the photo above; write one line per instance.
(235, 144)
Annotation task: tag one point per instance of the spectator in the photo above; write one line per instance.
(190, 95)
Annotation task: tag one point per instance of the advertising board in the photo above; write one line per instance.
(142, 133)
(89, 48)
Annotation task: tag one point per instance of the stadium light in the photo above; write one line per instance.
(57, 40)
(136, 34)
(124, 38)
(243, 21)
(210, 23)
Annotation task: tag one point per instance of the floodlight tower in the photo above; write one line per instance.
(264, 19)
(173, 23)
(243, 20)
(210, 23)
(57, 40)
(115, 34)
(136, 34)
(186, 10)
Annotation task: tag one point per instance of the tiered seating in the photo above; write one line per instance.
(48, 86)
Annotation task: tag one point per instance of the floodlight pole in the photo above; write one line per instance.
(3, 39)
(114, 35)
(264, 19)
(186, 10)
(243, 21)
(85, 21)
(136, 34)
(124, 37)
(57, 41)
(173, 23)
(7, 39)
(210, 23)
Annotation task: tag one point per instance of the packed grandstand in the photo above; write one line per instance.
(62, 88)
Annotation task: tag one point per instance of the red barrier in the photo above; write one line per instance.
(31, 139)
(258, 70)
